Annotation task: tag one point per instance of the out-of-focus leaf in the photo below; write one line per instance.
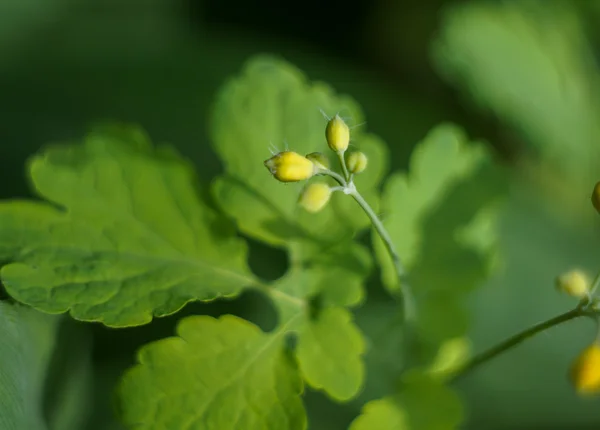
(422, 404)
(530, 63)
(26, 343)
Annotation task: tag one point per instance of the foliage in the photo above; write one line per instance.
(126, 233)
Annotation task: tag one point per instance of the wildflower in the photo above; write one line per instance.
(585, 372)
(315, 196)
(356, 162)
(575, 283)
(337, 134)
(290, 166)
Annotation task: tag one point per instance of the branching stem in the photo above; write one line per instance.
(583, 310)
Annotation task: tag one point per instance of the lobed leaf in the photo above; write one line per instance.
(439, 162)
(216, 374)
(124, 234)
(272, 103)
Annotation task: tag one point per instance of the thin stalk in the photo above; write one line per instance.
(336, 176)
(340, 156)
(407, 299)
(511, 342)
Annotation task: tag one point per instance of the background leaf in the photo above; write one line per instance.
(423, 404)
(531, 64)
(26, 343)
(131, 237)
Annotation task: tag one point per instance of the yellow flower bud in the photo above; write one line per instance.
(315, 196)
(319, 160)
(337, 134)
(585, 372)
(596, 197)
(290, 166)
(575, 283)
(356, 162)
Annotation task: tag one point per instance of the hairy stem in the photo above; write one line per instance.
(407, 299)
(580, 311)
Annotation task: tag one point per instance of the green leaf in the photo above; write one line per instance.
(188, 380)
(530, 63)
(216, 374)
(26, 343)
(381, 414)
(125, 235)
(330, 346)
(440, 161)
(70, 389)
(422, 403)
(441, 219)
(272, 103)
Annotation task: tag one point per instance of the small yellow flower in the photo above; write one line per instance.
(585, 372)
(319, 160)
(337, 134)
(575, 283)
(356, 162)
(315, 196)
(596, 197)
(290, 166)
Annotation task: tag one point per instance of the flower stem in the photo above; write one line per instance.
(407, 299)
(343, 164)
(580, 311)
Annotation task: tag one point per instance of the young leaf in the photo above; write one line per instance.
(26, 344)
(272, 103)
(330, 346)
(216, 374)
(422, 403)
(124, 234)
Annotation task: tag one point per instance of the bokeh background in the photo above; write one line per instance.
(522, 75)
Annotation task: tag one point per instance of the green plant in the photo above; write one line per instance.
(124, 232)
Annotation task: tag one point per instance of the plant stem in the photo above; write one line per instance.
(407, 299)
(343, 164)
(511, 342)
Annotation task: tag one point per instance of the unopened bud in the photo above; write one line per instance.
(575, 283)
(290, 166)
(315, 196)
(319, 160)
(596, 197)
(337, 134)
(585, 371)
(356, 162)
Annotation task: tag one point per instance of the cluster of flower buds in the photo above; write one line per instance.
(289, 166)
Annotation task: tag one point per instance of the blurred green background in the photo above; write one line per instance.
(522, 75)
